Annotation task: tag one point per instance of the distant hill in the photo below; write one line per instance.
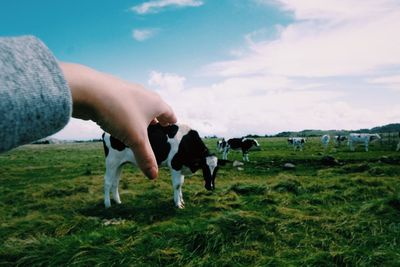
(48, 140)
(389, 128)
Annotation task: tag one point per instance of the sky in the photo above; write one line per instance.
(233, 67)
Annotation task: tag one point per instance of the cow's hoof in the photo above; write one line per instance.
(180, 206)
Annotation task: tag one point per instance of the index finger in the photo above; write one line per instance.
(145, 158)
(166, 118)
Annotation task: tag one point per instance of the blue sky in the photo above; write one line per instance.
(99, 33)
(233, 67)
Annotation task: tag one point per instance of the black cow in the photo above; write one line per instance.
(244, 144)
(180, 147)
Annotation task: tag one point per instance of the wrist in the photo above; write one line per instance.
(80, 81)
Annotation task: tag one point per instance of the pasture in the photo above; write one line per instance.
(321, 213)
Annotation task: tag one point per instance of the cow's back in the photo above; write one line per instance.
(235, 143)
(164, 142)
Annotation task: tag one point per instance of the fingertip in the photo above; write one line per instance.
(145, 158)
(151, 172)
(167, 118)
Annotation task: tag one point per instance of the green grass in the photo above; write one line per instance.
(52, 213)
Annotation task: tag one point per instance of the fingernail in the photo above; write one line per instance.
(152, 172)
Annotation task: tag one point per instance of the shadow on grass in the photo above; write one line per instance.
(144, 212)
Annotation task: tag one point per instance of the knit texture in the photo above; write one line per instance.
(35, 100)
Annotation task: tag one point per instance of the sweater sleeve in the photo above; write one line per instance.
(35, 100)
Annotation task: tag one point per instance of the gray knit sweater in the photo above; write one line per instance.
(35, 100)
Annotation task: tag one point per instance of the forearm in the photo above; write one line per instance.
(35, 100)
(85, 86)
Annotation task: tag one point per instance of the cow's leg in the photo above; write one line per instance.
(351, 146)
(245, 157)
(366, 146)
(114, 186)
(177, 183)
(225, 154)
(111, 179)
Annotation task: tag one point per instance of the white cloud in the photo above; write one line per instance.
(266, 105)
(143, 34)
(327, 38)
(392, 82)
(157, 5)
(168, 82)
(335, 10)
(79, 130)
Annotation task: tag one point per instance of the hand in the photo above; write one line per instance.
(122, 109)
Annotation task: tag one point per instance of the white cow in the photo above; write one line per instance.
(361, 138)
(398, 145)
(325, 140)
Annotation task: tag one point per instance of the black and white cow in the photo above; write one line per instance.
(339, 139)
(364, 138)
(180, 147)
(244, 144)
(297, 142)
(221, 144)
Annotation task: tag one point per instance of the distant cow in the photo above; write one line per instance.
(361, 138)
(339, 139)
(325, 140)
(180, 147)
(398, 145)
(244, 144)
(221, 144)
(297, 142)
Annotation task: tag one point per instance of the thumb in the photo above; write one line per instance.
(145, 158)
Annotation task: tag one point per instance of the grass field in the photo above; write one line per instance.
(348, 214)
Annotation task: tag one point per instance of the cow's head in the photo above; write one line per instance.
(373, 137)
(254, 145)
(210, 168)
